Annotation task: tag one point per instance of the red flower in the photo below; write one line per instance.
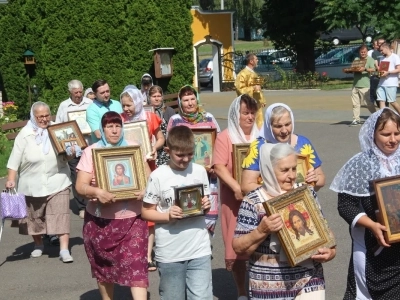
(324, 74)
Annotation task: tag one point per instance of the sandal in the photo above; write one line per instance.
(151, 266)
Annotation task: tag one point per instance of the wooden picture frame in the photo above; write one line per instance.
(148, 108)
(80, 117)
(299, 208)
(188, 198)
(303, 165)
(139, 131)
(387, 192)
(239, 153)
(204, 139)
(120, 170)
(63, 133)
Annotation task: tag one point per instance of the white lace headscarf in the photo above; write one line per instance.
(355, 176)
(41, 134)
(136, 97)
(266, 130)
(236, 133)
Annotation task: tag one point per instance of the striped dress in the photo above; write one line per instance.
(270, 278)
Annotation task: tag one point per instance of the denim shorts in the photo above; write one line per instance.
(386, 93)
(190, 277)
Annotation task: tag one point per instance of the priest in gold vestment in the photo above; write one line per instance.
(246, 83)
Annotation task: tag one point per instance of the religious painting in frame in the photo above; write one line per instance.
(139, 132)
(204, 140)
(66, 134)
(239, 153)
(188, 198)
(148, 108)
(80, 117)
(303, 165)
(120, 170)
(305, 229)
(387, 192)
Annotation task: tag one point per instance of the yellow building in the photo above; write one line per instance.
(214, 28)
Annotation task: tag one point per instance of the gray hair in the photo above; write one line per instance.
(39, 104)
(277, 113)
(74, 84)
(279, 151)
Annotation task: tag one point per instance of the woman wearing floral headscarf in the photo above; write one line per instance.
(374, 270)
(241, 129)
(279, 128)
(193, 116)
(43, 177)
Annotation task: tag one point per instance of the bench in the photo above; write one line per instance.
(15, 126)
(171, 100)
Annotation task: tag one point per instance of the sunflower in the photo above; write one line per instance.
(308, 150)
(251, 156)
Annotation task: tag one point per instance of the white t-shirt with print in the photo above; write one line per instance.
(391, 79)
(184, 239)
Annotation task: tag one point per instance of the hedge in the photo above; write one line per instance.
(89, 40)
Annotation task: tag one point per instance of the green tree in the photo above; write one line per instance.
(89, 40)
(293, 26)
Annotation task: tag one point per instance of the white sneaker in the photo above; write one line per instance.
(65, 257)
(37, 252)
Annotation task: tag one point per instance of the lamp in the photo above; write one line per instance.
(29, 62)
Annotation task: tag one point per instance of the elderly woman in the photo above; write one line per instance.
(165, 113)
(241, 129)
(43, 177)
(192, 116)
(278, 128)
(114, 234)
(374, 270)
(270, 274)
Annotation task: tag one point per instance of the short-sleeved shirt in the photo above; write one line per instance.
(118, 210)
(391, 79)
(303, 146)
(361, 79)
(182, 239)
(95, 112)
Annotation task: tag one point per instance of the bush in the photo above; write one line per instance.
(89, 40)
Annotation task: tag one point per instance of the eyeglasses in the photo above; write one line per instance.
(41, 118)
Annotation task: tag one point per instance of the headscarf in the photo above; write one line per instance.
(136, 97)
(355, 176)
(195, 117)
(41, 134)
(87, 91)
(266, 131)
(236, 133)
(102, 143)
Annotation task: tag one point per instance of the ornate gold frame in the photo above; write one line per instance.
(213, 134)
(190, 189)
(239, 153)
(59, 144)
(143, 139)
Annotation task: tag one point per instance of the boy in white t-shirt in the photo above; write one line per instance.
(389, 81)
(183, 251)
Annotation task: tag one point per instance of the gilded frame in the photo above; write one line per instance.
(303, 165)
(148, 108)
(204, 139)
(300, 245)
(191, 206)
(133, 179)
(139, 131)
(239, 153)
(387, 192)
(65, 132)
(80, 117)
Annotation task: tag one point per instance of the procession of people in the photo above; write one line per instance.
(119, 233)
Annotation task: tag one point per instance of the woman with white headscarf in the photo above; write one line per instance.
(270, 274)
(374, 270)
(279, 128)
(43, 177)
(241, 129)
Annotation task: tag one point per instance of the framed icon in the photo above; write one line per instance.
(66, 134)
(239, 153)
(188, 198)
(204, 139)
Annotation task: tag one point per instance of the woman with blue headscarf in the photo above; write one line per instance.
(43, 177)
(115, 236)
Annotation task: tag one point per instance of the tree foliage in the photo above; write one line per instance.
(89, 40)
(384, 15)
(293, 26)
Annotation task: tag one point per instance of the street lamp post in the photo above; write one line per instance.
(29, 62)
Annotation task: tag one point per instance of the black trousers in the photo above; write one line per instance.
(79, 200)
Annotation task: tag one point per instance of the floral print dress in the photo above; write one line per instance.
(162, 156)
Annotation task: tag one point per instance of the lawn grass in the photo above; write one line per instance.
(6, 147)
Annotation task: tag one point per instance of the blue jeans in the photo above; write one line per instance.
(190, 277)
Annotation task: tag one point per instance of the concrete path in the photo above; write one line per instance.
(322, 116)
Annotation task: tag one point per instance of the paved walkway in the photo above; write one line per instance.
(322, 116)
